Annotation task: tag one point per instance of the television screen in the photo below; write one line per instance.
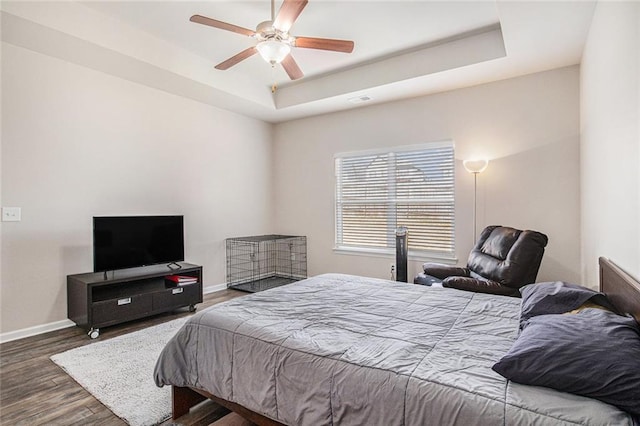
(129, 241)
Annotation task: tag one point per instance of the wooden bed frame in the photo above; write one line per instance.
(622, 289)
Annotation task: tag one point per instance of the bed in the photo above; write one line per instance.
(341, 349)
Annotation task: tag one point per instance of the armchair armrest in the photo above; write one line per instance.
(442, 271)
(479, 286)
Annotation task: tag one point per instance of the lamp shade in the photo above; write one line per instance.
(475, 166)
(273, 51)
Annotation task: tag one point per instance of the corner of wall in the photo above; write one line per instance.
(610, 139)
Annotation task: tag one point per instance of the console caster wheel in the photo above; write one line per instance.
(94, 333)
(192, 308)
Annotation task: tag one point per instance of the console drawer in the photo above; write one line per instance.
(176, 297)
(121, 309)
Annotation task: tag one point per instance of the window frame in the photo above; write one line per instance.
(414, 254)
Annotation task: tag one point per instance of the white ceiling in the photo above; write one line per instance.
(402, 49)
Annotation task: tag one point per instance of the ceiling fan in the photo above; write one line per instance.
(274, 41)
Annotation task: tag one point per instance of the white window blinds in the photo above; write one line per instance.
(378, 191)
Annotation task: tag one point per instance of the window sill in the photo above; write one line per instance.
(387, 253)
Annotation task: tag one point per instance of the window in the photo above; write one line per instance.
(378, 191)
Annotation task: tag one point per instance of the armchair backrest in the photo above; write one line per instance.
(506, 255)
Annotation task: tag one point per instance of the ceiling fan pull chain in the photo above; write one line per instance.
(274, 86)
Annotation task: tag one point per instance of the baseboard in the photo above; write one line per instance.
(36, 329)
(53, 326)
(214, 288)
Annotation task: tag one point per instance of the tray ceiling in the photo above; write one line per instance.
(402, 49)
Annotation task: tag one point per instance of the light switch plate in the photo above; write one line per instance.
(11, 214)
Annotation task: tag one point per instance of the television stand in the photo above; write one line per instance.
(96, 300)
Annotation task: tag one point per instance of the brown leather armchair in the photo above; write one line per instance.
(503, 260)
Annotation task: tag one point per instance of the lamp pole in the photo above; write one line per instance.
(475, 167)
(475, 204)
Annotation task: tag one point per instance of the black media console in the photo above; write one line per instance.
(97, 299)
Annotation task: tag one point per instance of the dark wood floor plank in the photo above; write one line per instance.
(39, 405)
(35, 391)
(34, 376)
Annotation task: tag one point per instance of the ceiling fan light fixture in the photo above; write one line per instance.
(273, 51)
(273, 39)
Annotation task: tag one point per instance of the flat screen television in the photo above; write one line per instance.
(121, 242)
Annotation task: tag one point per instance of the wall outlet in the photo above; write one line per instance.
(11, 214)
(392, 271)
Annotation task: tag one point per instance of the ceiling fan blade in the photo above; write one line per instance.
(199, 19)
(288, 13)
(291, 67)
(345, 46)
(237, 58)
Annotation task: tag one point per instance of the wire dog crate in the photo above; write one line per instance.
(262, 262)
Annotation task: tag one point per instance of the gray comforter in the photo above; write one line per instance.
(347, 350)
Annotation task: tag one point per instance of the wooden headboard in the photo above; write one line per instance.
(622, 289)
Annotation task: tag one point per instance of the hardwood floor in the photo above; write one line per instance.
(35, 391)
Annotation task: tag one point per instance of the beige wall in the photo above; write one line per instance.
(610, 139)
(528, 127)
(78, 143)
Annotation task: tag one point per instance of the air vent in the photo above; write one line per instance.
(360, 99)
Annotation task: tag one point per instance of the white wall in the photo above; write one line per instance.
(528, 127)
(78, 143)
(610, 147)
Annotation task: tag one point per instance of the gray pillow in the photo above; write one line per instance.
(556, 298)
(594, 353)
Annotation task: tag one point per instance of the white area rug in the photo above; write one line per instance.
(119, 373)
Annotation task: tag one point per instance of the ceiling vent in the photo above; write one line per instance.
(360, 99)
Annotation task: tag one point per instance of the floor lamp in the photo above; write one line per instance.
(475, 167)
